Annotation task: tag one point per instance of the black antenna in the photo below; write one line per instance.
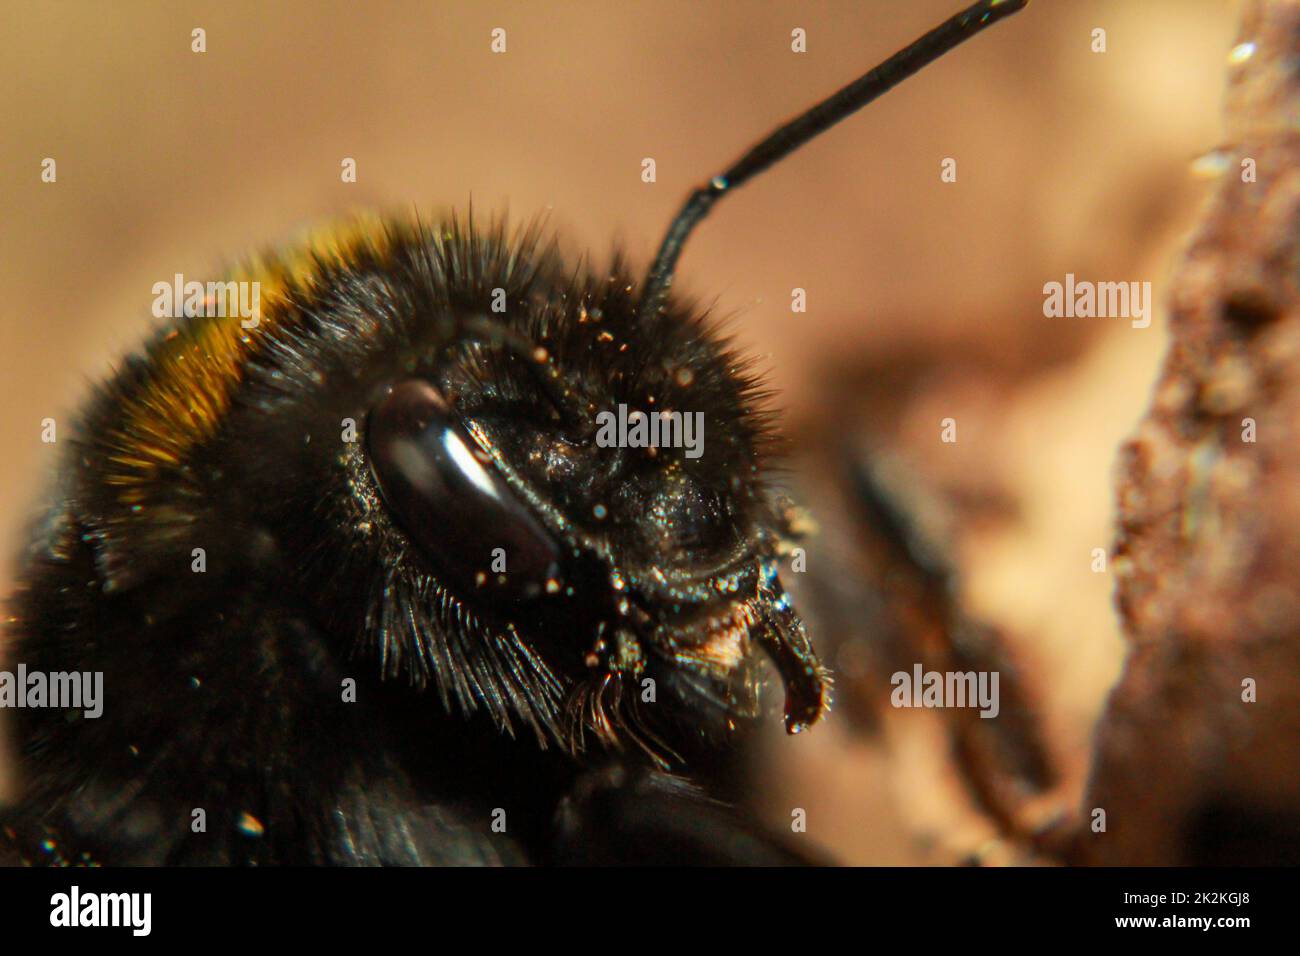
(789, 137)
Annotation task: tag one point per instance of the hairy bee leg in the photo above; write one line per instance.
(1000, 761)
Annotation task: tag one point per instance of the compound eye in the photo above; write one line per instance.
(450, 499)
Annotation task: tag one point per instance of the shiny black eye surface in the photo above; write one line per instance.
(449, 498)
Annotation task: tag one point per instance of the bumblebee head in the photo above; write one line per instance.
(541, 509)
(452, 449)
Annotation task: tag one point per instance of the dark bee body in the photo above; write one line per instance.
(225, 688)
(366, 584)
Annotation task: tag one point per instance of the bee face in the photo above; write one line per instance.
(481, 534)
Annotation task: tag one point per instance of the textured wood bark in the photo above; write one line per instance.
(1208, 556)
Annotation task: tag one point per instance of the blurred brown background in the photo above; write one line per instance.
(1068, 161)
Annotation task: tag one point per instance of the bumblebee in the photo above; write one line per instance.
(366, 586)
